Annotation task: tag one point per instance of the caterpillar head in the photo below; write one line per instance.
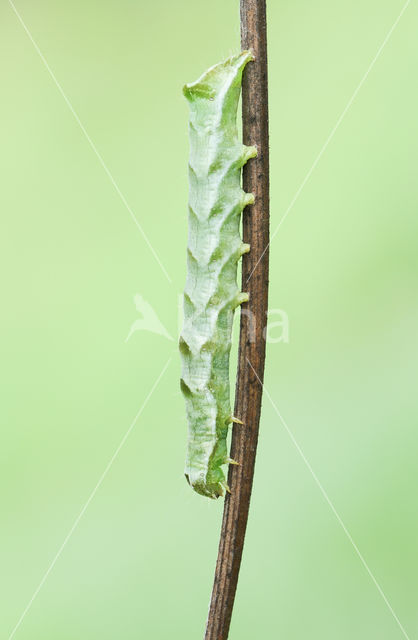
(208, 86)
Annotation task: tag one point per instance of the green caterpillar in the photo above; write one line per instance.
(211, 294)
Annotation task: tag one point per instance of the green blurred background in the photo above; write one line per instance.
(344, 267)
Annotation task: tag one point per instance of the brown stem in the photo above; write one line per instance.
(253, 322)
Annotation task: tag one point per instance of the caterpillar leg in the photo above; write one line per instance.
(248, 198)
(241, 298)
(231, 461)
(248, 153)
(225, 486)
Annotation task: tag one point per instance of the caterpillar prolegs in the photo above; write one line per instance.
(216, 201)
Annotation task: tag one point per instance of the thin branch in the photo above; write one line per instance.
(248, 388)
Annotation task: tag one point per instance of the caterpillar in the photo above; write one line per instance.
(211, 294)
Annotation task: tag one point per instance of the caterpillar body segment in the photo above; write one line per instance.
(216, 202)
